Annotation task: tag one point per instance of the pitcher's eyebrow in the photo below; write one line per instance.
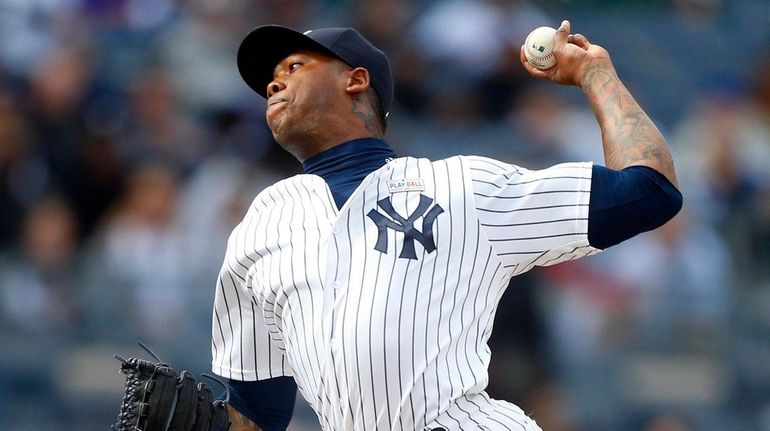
(280, 64)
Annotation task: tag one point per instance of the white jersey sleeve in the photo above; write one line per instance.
(242, 347)
(533, 217)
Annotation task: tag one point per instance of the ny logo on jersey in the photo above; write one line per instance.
(406, 225)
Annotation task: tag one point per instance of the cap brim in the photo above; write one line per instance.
(264, 47)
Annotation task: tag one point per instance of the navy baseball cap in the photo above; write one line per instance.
(265, 46)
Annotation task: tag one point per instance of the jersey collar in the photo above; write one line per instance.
(344, 166)
(351, 155)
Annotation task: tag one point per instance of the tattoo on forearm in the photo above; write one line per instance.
(628, 134)
(241, 422)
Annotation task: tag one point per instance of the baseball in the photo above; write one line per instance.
(538, 48)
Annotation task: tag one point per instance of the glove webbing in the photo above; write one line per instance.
(156, 384)
(133, 382)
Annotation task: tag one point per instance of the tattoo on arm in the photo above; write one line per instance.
(241, 422)
(629, 136)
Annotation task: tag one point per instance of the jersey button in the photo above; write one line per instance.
(341, 402)
(335, 230)
(336, 285)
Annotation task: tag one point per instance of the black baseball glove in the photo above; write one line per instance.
(160, 399)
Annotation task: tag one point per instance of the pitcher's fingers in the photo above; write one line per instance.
(581, 41)
(560, 38)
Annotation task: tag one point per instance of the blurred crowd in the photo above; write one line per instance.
(129, 148)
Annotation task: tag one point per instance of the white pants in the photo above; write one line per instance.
(479, 412)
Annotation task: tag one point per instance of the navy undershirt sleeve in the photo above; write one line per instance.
(268, 403)
(628, 202)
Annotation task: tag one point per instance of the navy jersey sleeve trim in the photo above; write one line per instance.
(268, 403)
(628, 202)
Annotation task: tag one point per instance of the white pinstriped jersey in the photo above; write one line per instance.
(382, 310)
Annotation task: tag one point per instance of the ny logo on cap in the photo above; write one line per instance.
(406, 225)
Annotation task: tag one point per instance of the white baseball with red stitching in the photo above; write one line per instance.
(538, 48)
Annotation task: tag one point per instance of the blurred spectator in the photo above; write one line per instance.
(39, 314)
(58, 90)
(724, 148)
(99, 180)
(38, 286)
(197, 54)
(126, 35)
(59, 102)
(758, 126)
(140, 262)
(544, 128)
(471, 36)
(30, 29)
(158, 130)
(23, 174)
(475, 41)
(679, 275)
(385, 22)
(660, 295)
(720, 152)
(453, 123)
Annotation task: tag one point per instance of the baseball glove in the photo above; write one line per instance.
(158, 398)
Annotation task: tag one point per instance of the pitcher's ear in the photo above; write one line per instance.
(358, 81)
